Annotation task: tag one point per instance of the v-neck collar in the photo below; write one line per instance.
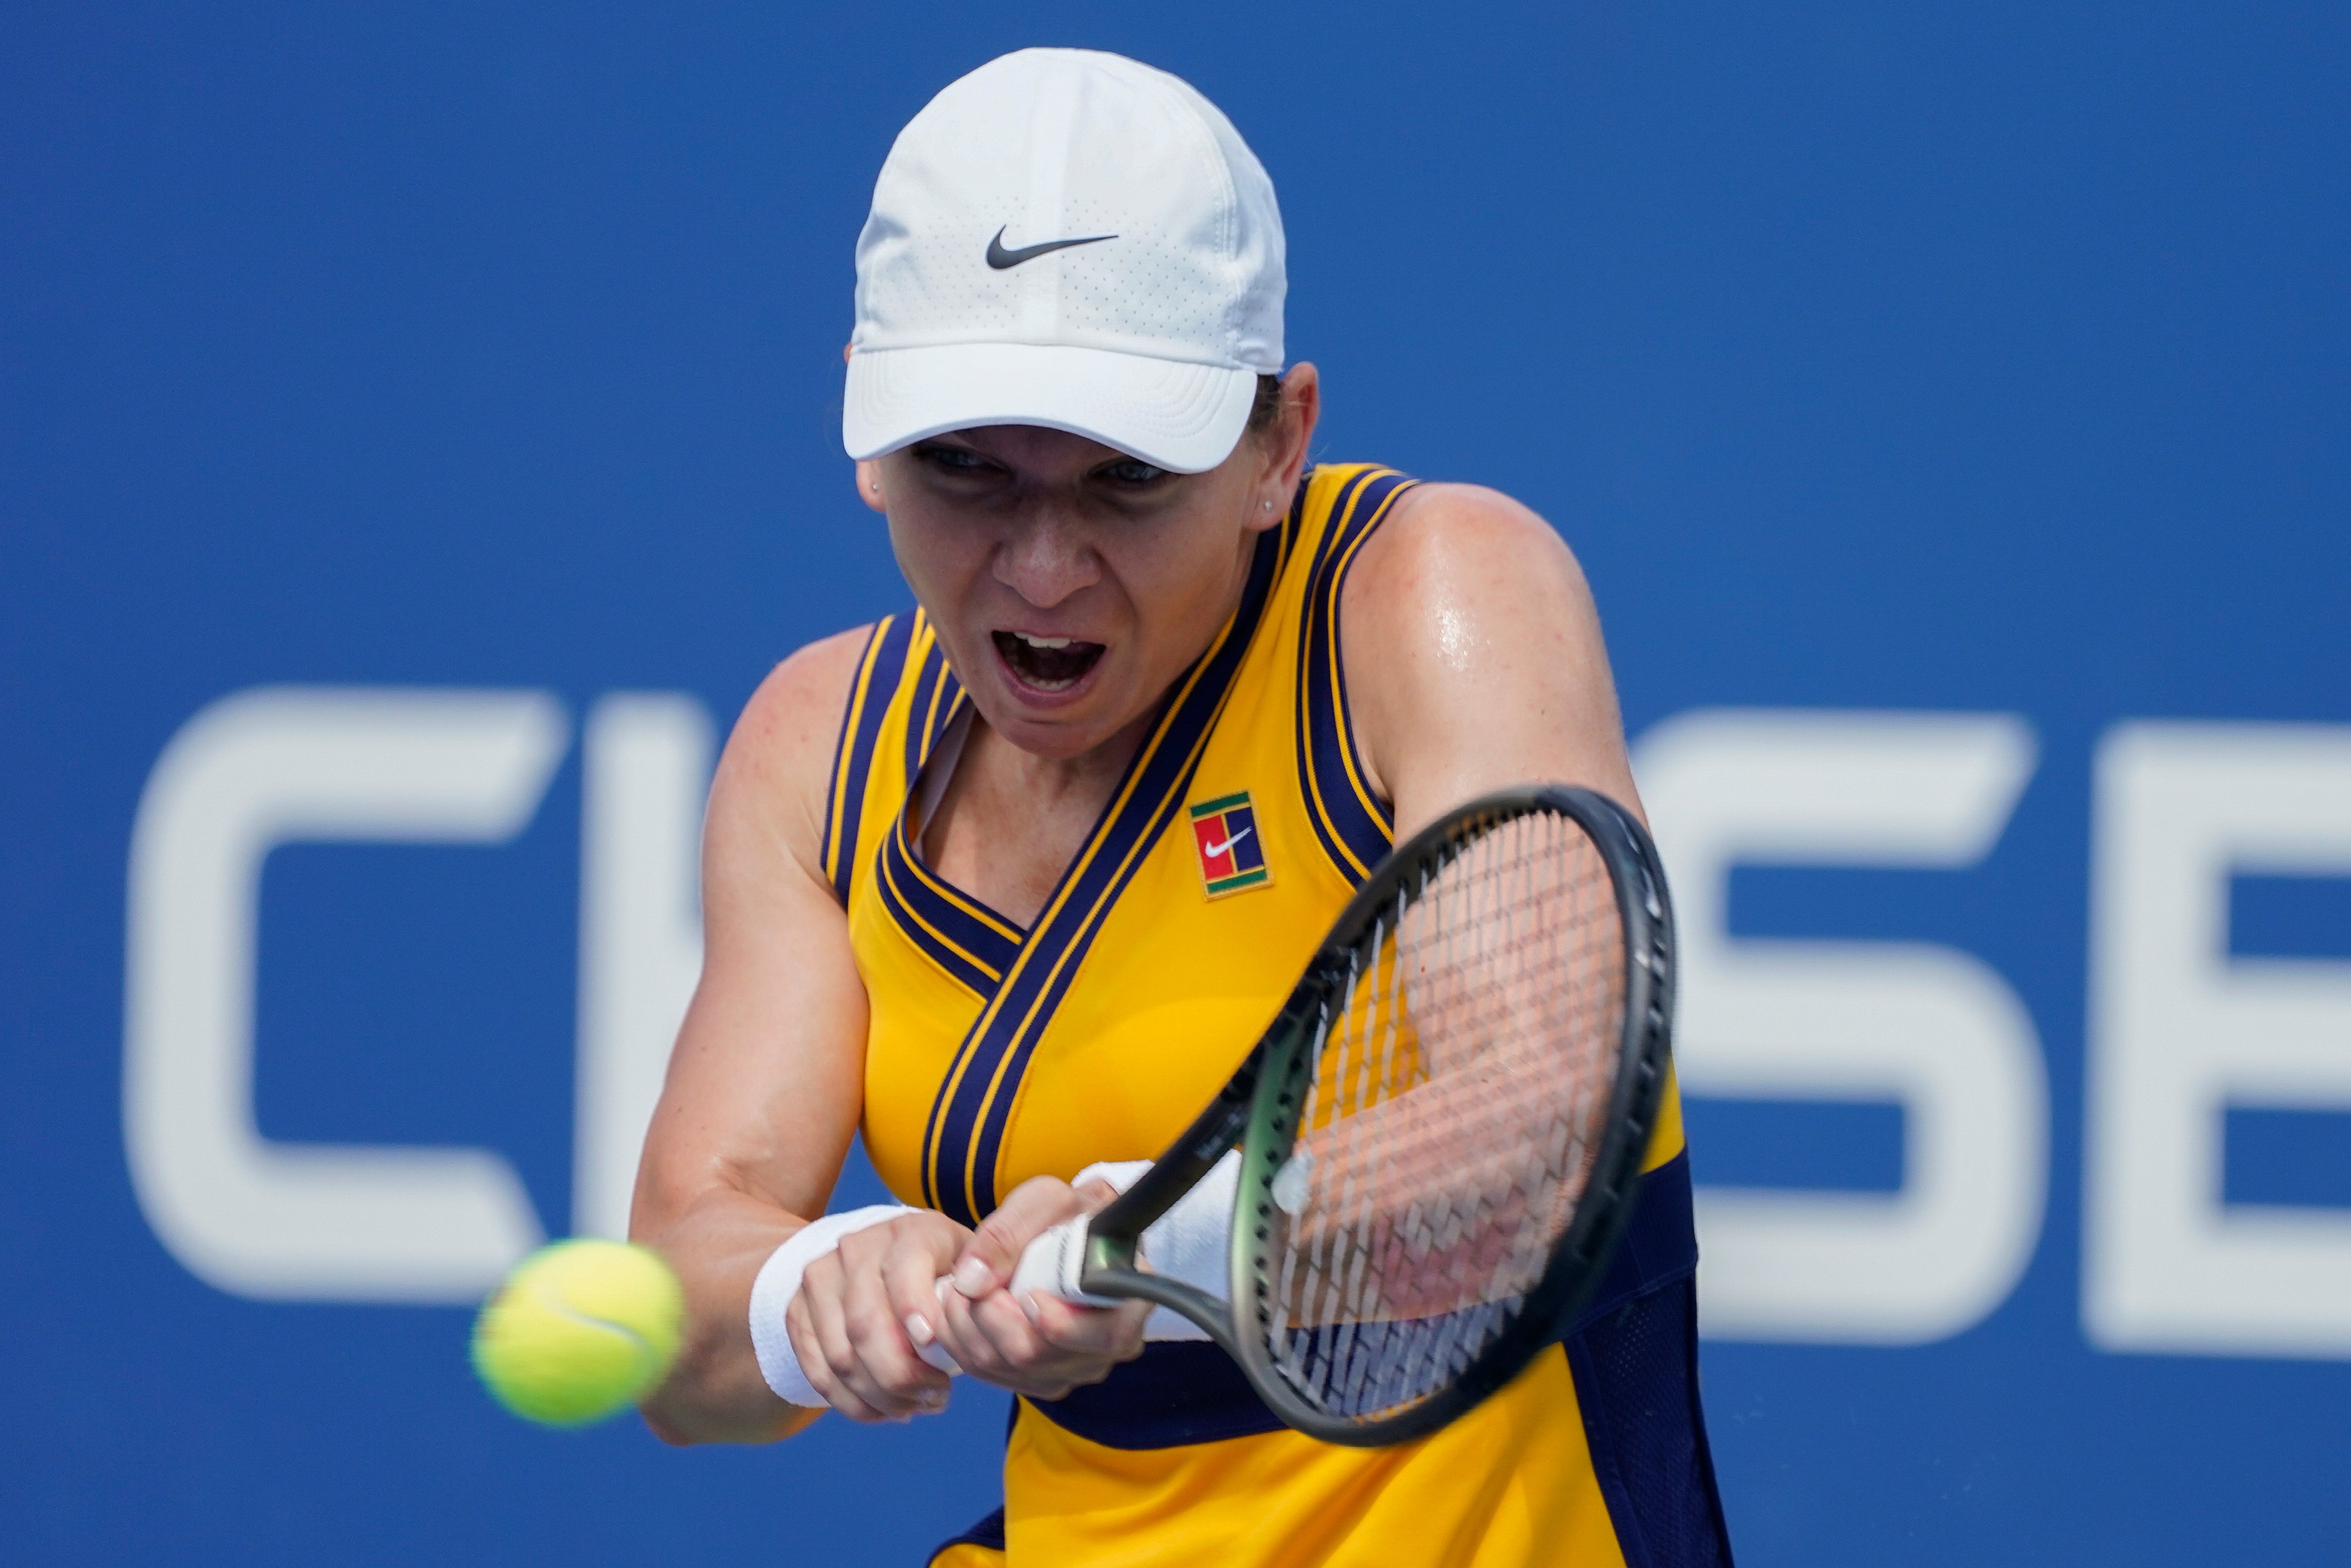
(973, 1107)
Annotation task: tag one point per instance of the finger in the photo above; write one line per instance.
(889, 1376)
(1004, 1323)
(829, 1367)
(845, 1344)
(963, 1339)
(1022, 1360)
(989, 1259)
(808, 1345)
(838, 1397)
(910, 1275)
(1113, 1333)
(1006, 1352)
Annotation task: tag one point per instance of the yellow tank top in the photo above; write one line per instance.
(996, 1054)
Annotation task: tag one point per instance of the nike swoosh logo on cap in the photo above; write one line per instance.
(1000, 258)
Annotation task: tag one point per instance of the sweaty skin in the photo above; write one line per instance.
(1070, 585)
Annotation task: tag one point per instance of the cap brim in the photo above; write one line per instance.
(1183, 417)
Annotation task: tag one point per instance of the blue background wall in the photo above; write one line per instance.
(1987, 360)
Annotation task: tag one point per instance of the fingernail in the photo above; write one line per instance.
(934, 1403)
(973, 1278)
(918, 1330)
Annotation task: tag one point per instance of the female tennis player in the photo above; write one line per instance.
(1010, 882)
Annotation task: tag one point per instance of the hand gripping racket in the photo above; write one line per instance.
(1440, 1135)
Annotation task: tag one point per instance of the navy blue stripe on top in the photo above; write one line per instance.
(969, 1117)
(1357, 827)
(973, 942)
(860, 726)
(832, 801)
(932, 682)
(955, 932)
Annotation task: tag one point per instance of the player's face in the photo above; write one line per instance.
(1071, 583)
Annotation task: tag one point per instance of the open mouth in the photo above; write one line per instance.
(1047, 663)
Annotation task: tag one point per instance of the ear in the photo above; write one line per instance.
(1286, 446)
(869, 471)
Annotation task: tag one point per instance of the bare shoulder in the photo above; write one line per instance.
(1473, 655)
(1445, 539)
(772, 782)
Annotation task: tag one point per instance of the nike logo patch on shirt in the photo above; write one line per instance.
(1225, 841)
(1213, 851)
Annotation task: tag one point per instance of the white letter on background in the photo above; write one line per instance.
(647, 759)
(1931, 1028)
(2179, 1031)
(285, 764)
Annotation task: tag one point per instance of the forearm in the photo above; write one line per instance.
(764, 1088)
(716, 1394)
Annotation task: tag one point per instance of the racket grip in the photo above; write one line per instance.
(1051, 1266)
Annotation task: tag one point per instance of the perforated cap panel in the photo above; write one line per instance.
(1070, 200)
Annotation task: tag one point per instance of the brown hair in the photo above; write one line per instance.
(1266, 409)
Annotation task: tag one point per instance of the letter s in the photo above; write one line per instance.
(1930, 1028)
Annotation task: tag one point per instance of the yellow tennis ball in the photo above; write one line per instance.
(579, 1329)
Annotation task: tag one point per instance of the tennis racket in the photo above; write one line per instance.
(1440, 1136)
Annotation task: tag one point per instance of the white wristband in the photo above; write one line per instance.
(779, 1282)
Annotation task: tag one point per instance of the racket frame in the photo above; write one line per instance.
(1257, 1109)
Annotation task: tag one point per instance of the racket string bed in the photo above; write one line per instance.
(1445, 1128)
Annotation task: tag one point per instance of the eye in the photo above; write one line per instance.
(950, 459)
(1132, 472)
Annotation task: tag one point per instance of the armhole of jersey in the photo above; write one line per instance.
(1356, 827)
(879, 667)
(932, 771)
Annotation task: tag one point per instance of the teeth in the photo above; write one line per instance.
(1043, 641)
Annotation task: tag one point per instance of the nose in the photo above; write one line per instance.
(1047, 557)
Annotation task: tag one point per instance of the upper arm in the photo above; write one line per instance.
(1474, 657)
(766, 1083)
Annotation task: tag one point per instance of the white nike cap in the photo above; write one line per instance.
(1071, 239)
